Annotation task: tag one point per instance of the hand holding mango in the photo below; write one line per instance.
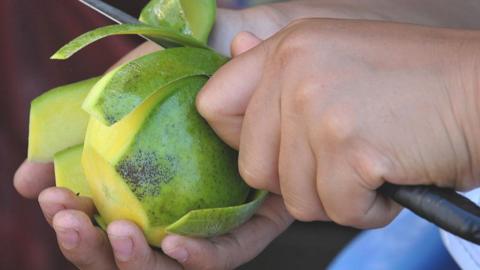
(326, 111)
(147, 155)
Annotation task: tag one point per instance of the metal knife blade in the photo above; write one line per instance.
(111, 12)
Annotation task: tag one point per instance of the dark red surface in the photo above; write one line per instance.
(30, 31)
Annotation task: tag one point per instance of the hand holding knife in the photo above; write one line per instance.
(443, 207)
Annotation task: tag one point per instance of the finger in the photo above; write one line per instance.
(297, 171)
(53, 199)
(236, 248)
(132, 251)
(84, 245)
(33, 177)
(260, 137)
(243, 42)
(224, 98)
(340, 179)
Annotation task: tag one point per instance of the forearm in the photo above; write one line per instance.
(445, 13)
(265, 20)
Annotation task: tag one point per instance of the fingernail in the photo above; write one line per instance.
(122, 247)
(67, 237)
(179, 254)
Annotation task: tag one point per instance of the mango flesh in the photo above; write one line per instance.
(68, 171)
(57, 120)
(162, 158)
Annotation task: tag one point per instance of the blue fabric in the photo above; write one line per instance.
(409, 242)
(465, 253)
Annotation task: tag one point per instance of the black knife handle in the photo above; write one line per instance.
(442, 206)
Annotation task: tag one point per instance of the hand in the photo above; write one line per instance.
(124, 246)
(326, 111)
(88, 247)
(264, 21)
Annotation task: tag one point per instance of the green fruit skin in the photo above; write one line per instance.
(176, 163)
(166, 13)
(188, 17)
(123, 89)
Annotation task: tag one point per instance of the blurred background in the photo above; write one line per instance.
(30, 31)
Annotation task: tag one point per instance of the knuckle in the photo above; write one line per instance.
(253, 175)
(370, 166)
(338, 122)
(205, 105)
(301, 210)
(295, 44)
(301, 214)
(347, 218)
(304, 95)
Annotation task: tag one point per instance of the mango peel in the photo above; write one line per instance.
(147, 155)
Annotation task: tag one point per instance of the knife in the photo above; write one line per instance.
(442, 206)
(121, 17)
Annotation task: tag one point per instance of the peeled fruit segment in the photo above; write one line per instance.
(163, 158)
(69, 171)
(57, 120)
(162, 35)
(124, 88)
(170, 23)
(217, 221)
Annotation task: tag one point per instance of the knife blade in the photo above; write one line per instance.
(119, 17)
(111, 12)
(442, 206)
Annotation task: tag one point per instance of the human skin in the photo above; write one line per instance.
(94, 250)
(326, 111)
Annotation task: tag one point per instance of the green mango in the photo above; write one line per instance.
(68, 172)
(49, 132)
(126, 87)
(148, 156)
(162, 161)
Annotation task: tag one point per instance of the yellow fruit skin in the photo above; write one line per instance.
(113, 198)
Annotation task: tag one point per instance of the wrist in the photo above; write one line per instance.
(464, 91)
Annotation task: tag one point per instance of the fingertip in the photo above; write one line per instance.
(31, 178)
(243, 42)
(128, 241)
(81, 242)
(174, 247)
(258, 175)
(54, 199)
(122, 228)
(70, 219)
(51, 202)
(54, 194)
(67, 226)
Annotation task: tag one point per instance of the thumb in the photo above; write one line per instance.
(243, 42)
(224, 98)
